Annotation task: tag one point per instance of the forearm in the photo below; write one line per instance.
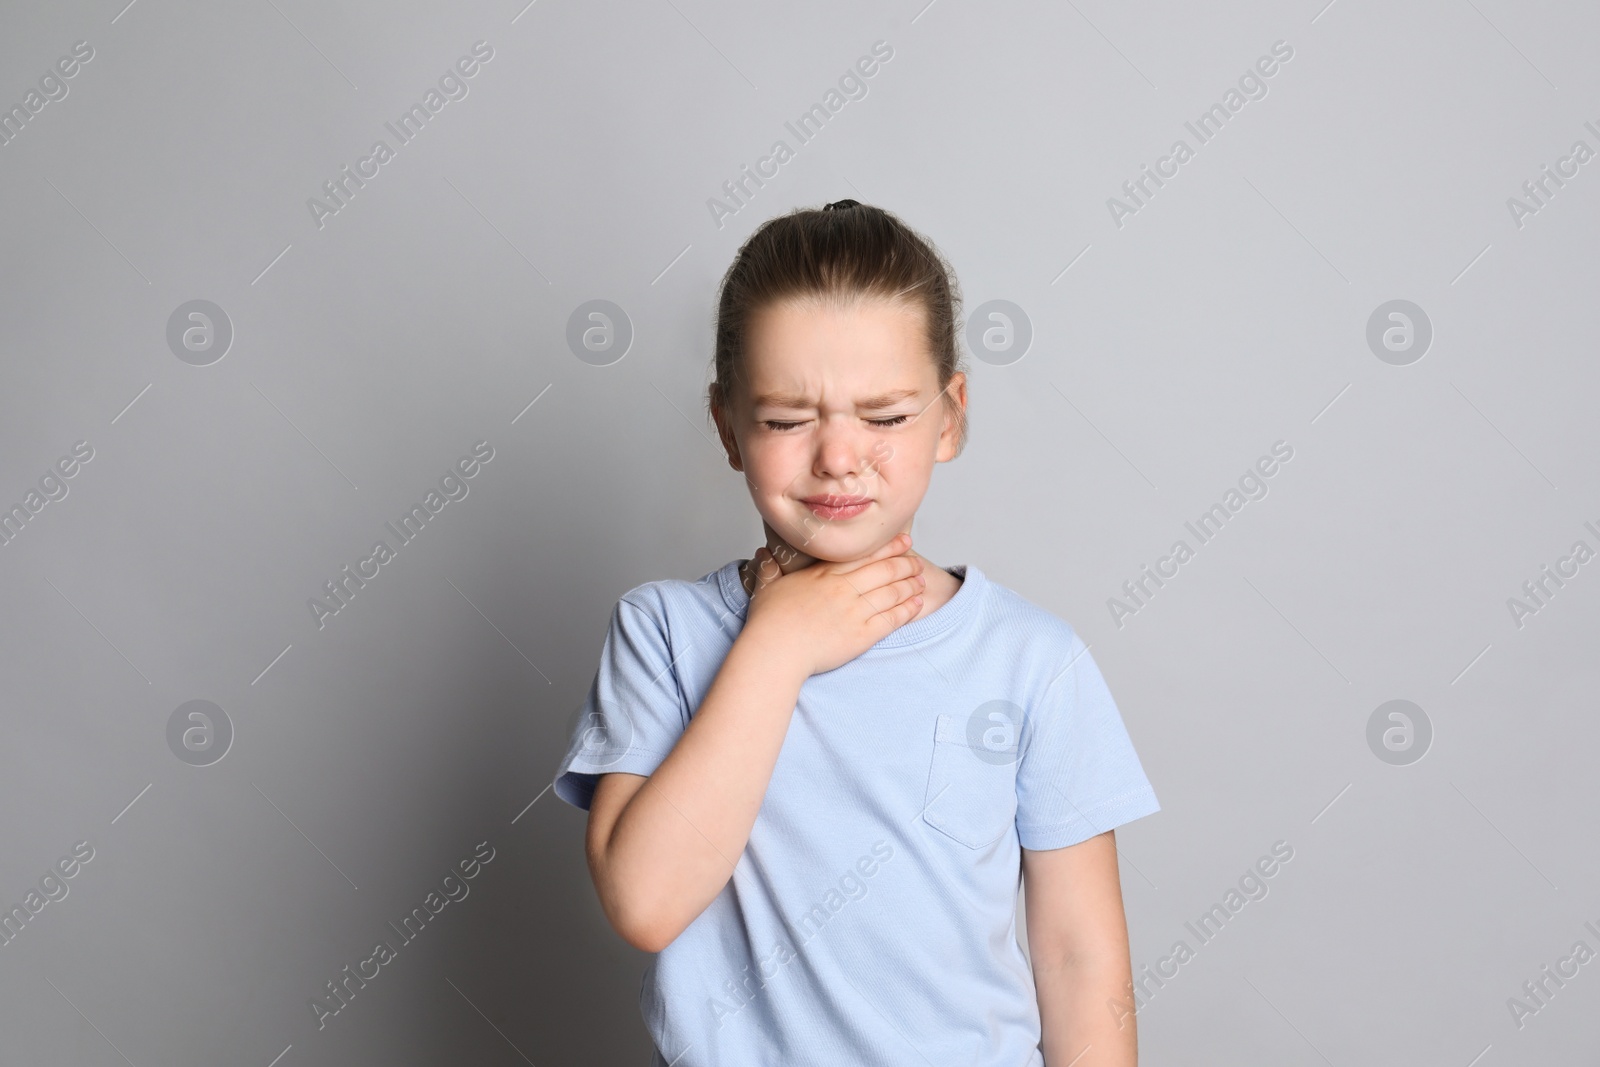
(675, 844)
(1081, 1011)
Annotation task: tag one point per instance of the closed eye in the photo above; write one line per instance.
(780, 427)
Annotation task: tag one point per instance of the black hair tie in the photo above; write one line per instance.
(840, 205)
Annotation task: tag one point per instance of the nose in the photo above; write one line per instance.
(841, 452)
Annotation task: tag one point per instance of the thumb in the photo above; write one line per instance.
(765, 569)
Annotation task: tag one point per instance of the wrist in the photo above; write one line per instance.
(772, 653)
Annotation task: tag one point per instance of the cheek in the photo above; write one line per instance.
(774, 463)
(906, 458)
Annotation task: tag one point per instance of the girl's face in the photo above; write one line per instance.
(839, 423)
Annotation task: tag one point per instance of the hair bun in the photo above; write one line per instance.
(840, 205)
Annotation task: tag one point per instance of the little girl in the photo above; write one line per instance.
(816, 777)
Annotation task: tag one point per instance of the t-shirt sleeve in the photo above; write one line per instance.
(634, 712)
(1077, 774)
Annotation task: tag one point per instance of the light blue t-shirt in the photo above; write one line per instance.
(872, 915)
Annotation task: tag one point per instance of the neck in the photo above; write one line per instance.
(789, 558)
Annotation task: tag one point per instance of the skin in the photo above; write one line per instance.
(661, 848)
(1078, 943)
(823, 441)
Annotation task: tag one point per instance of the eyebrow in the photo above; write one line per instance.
(795, 400)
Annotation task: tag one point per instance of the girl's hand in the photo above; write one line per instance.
(823, 616)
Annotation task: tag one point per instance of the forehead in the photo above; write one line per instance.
(860, 346)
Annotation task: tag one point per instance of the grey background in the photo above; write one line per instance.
(1168, 354)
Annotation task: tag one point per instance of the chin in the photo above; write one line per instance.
(840, 547)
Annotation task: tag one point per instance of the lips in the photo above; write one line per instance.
(836, 506)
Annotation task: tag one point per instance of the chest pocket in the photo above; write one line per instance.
(972, 794)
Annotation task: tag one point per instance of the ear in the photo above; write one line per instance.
(950, 436)
(720, 413)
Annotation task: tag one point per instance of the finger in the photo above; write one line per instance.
(765, 568)
(904, 590)
(889, 570)
(897, 544)
(892, 618)
(890, 596)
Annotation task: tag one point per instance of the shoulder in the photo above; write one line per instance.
(1034, 647)
(664, 601)
(1029, 626)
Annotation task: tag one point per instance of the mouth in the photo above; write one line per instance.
(836, 506)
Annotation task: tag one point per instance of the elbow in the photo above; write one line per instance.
(635, 916)
(649, 939)
(634, 906)
(640, 928)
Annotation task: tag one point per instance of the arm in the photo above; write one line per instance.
(661, 848)
(1078, 943)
